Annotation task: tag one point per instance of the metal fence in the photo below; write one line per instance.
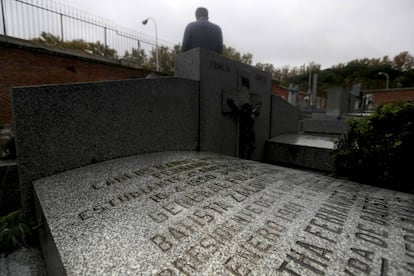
(27, 19)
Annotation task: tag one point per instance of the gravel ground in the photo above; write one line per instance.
(22, 262)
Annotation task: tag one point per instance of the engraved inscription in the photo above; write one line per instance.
(325, 228)
(224, 216)
(409, 248)
(216, 65)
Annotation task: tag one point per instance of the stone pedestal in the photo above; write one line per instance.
(338, 101)
(221, 78)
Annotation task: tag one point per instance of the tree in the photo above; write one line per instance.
(166, 58)
(96, 48)
(138, 55)
(268, 67)
(403, 62)
(49, 39)
(247, 58)
(365, 70)
(233, 54)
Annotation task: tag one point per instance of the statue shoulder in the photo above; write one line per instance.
(215, 26)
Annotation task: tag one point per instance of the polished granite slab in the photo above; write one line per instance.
(195, 213)
(305, 140)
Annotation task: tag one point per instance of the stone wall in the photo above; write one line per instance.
(61, 127)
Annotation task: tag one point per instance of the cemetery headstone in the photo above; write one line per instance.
(338, 101)
(284, 117)
(192, 213)
(293, 94)
(356, 104)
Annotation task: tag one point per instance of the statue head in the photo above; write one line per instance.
(201, 13)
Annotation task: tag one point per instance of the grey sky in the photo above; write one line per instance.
(281, 32)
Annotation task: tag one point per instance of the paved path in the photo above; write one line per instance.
(25, 261)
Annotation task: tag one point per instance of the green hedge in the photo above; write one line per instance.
(15, 231)
(379, 149)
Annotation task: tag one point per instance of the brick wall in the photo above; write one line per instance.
(25, 63)
(380, 96)
(279, 90)
(391, 95)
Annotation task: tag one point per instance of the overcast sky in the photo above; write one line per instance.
(281, 32)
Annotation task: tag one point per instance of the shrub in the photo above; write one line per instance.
(15, 231)
(377, 149)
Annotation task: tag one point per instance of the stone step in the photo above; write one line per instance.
(300, 150)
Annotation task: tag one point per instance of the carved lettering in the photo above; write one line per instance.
(384, 267)
(162, 242)
(177, 233)
(185, 202)
(249, 252)
(372, 236)
(85, 215)
(241, 220)
(173, 208)
(159, 197)
(330, 219)
(210, 244)
(317, 233)
(410, 267)
(264, 202)
(254, 209)
(371, 239)
(237, 266)
(226, 231)
(333, 229)
(116, 201)
(359, 265)
(159, 216)
(185, 226)
(316, 261)
(318, 251)
(196, 255)
(218, 207)
(245, 216)
(183, 266)
(237, 196)
(374, 220)
(207, 218)
(303, 261)
(220, 66)
(368, 255)
(341, 216)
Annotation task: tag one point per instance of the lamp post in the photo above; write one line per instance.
(156, 42)
(387, 77)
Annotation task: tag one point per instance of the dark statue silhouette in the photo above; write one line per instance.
(247, 114)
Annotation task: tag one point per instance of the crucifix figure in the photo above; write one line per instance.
(246, 114)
